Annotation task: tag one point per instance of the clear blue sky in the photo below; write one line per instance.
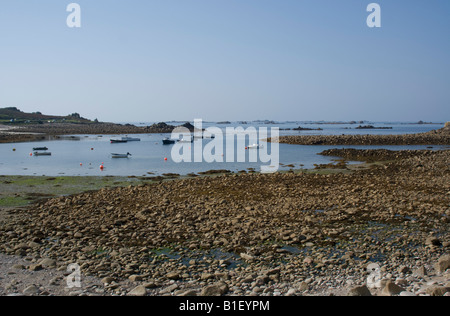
(227, 60)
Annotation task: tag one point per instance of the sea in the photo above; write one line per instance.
(90, 155)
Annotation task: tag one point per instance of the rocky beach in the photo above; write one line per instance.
(225, 156)
(281, 234)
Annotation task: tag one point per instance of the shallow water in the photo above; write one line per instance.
(84, 156)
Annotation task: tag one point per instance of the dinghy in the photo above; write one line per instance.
(120, 155)
(36, 153)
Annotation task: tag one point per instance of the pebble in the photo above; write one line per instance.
(138, 291)
(31, 290)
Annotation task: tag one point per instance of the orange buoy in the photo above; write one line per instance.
(165, 159)
(101, 167)
(81, 164)
(31, 154)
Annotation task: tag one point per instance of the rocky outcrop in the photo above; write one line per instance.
(371, 155)
(437, 137)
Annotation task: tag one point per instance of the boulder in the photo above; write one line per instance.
(443, 264)
(437, 290)
(48, 263)
(420, 272)
(391, 288)
(359, 291)
(31, 290)
(138, 291)
(217, 289)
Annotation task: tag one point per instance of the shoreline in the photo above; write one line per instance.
(39, 132)
(252, 234)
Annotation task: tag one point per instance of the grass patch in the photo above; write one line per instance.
(19, 191)
(13, 201)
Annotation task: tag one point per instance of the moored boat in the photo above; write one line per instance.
(120, 155)
(255, 146)
(40, 148)
(187, 140)
(131, 139)
(36, 153)
(168, 141)
(118, 141)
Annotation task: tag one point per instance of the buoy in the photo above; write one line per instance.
(101, 167)
(31, 154)
(92, 148)
(14, 149)
(81, 164)
(165, 159)
(246, 147)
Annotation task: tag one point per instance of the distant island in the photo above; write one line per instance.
(19, 126)
(12, 115)
(371, 127)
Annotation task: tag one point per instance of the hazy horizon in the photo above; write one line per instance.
(234, 60)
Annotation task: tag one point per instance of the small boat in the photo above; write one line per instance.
(184, 140)
(120, 155)
(168, 141)
(36, 153)
(40, 148)
(255, 146)
(131, 139)
(118, 141)
(204, 136)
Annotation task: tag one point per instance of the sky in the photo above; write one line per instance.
(216, 60)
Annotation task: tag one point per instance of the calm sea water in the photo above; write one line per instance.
(84, 156)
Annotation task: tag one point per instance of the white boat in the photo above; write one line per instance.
(120, 155)
(131, 139)
(255, 146)
(184, 140)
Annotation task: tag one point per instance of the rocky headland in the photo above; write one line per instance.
(36, 132)
(436, 137)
